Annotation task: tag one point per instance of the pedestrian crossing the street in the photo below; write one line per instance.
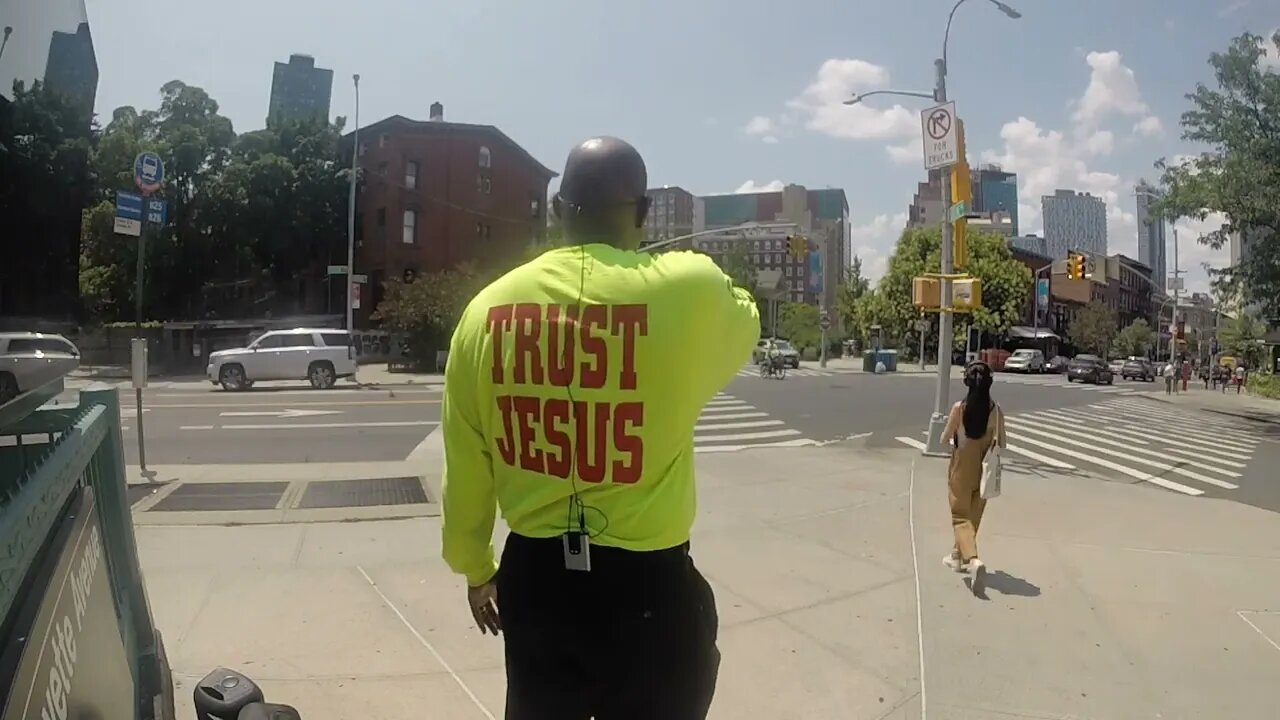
(728, 424)
(1185, 451)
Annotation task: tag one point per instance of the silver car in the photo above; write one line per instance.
(1025, 361)
(31, 359)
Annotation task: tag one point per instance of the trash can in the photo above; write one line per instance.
(888, 357)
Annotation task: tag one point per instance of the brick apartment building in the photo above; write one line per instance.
(437, 194)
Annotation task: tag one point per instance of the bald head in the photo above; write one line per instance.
(602, 193)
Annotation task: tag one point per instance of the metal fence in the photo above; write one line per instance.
(56, 463)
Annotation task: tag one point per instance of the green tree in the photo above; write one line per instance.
(852, 287)
(798, 322)
(1240, 338)
(45, 179)
(426, 311)
(1135, 339)
(1006, 284)
(737, 265)
(1094, 328)
(1239, 174)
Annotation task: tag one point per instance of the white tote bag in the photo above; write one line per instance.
(990, 487)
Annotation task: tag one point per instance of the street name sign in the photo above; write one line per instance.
(939, 128)
(128, 219)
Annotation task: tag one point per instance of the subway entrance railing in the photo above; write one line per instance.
(78, 636)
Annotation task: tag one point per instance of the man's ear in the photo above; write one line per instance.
(642, 209)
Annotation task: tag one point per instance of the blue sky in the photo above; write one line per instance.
(717, 94)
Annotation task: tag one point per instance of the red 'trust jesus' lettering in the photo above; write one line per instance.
(629, 321)
(499, 321)
(528, 327)
(594, 377)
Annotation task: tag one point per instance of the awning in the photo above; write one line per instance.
(1022, 332)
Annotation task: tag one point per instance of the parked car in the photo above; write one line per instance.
(1116, 366)
(1058, 364)
(30, 359)
(790, 356)
(1136, 368)
(1026, 361)
(1089, 368)
(321, 356)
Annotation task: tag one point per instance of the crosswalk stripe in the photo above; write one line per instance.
(736, 407)
(1066, 430)
(724, 401)
(1174, 422)
(912, 442)
(1201, 422)
(1113, 428)
(745, 436)
(799, 442)
(738, 416)
(1152, 463)
(1124, 469)
(1044, 459)
(737, 425)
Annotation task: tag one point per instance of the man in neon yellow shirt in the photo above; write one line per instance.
(573, 386)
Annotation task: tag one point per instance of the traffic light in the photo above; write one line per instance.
(1075, 266)
(797, 246)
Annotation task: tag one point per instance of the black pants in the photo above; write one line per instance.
(633, 639)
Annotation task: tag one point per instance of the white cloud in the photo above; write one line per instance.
(1149, 126)
(769, 140)
(1101, 143)
(908, 153)
(873, 242)
(1270, 59)
(759, 125)
(750, 186)
(1232, 7)
(1113, 89)
(822, 103)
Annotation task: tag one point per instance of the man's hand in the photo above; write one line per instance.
(484, 608)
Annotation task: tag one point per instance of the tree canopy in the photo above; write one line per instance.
(1137, 338)
(1093, 328)
(253, 220)
(1006, 284)
(1240, 338)
(1238, 174)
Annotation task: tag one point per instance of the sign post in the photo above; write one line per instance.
(148, 175)
(824, 322)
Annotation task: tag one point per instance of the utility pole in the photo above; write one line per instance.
(351, 217)
(938, 421)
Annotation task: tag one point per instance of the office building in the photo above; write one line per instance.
(996, 222)
(1074, 221)
(926, 206)
(1033, 244)
(996, 191)
(1152, 247)
(299, 90)
(671, 214)
(820, 215)
(439, 194)
(72, 70)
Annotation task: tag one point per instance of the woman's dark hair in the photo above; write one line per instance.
(977, 404)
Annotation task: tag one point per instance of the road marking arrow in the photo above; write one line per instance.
(281, 413)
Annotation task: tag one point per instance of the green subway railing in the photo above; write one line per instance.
(63, 505)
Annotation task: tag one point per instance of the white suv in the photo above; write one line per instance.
(31, 359)
(319, 355)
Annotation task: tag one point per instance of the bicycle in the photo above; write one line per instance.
(773, 367)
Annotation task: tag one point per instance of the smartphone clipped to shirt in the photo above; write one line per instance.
(577, 551)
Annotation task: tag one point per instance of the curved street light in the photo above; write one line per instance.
(937, 420)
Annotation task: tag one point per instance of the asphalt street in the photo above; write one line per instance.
(279, 425)
(1120, 433)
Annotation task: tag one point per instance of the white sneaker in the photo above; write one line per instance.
(979, 571)
(953, 561)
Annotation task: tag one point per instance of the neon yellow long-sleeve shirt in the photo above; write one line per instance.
(588, 366)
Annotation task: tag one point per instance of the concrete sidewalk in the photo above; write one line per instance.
(1107, 601)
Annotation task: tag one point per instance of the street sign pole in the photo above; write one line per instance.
(938, 420)
(148, 175)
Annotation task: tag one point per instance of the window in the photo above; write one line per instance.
(383, 139)
(269, 341)
(411, 175)
(382, 169)
(409, 233)
(335, 339)
(484, 231)
(382, 217)
(483, 184)
(486, 158)
(535, 209)
(296, 340)
(43, 345)
(364, 148)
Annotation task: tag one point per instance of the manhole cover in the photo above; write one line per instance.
(223, 496)
(363, 493)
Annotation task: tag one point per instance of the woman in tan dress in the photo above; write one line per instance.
(974, 426)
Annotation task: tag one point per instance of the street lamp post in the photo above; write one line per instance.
(351, 212)
(938, 420)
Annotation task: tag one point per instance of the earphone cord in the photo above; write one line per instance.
(575, 500)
